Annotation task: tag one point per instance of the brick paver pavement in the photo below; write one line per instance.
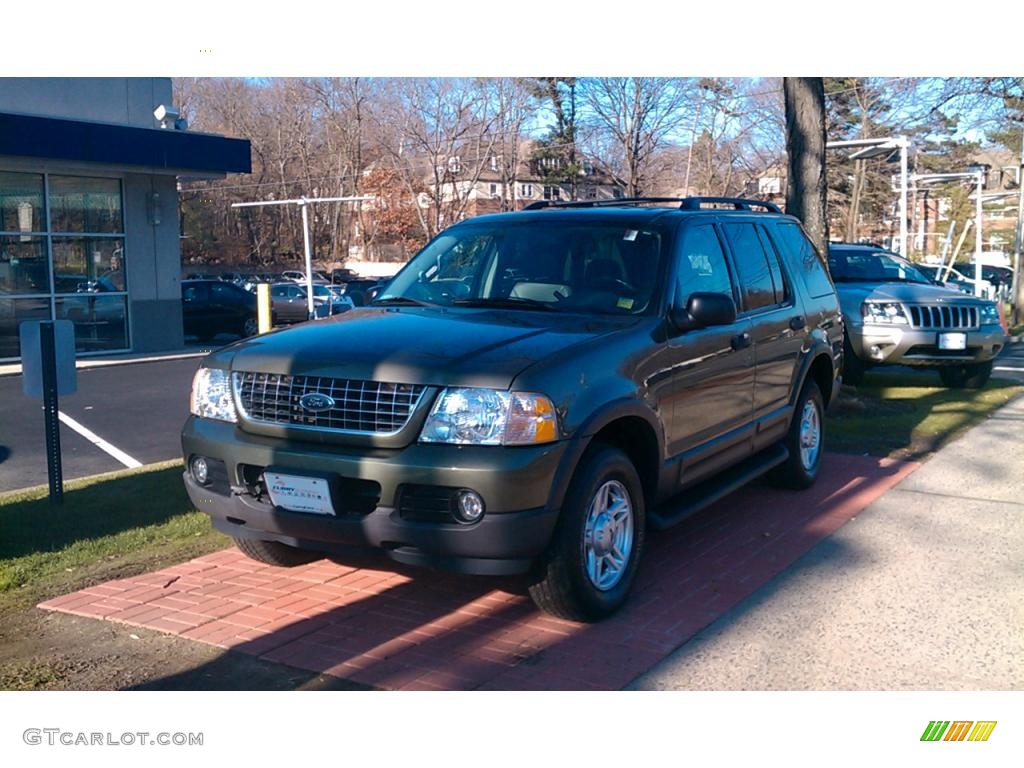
(422, 630)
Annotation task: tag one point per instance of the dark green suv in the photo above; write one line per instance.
(530, 394)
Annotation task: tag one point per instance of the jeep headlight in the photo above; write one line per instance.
(211, 395)
(989, 314)
(885, 313)
(469, 416)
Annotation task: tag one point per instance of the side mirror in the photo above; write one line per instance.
(704, 310)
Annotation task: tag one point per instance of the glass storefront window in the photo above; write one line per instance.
(21, 202)
(88, 264)
(81, 204)
(62, 237)
(23, 265)
(99, 321)
(13, 312)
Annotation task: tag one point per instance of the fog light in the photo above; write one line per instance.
(200, 470)
(876, 352)
(469, 507)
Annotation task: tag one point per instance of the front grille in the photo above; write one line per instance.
(426, 503)
(943, 316)
(368, 407)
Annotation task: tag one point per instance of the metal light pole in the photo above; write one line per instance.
(870, 148)
(1018, 285)
(304, 203)
(979, 181)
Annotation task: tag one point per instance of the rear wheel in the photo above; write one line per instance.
(275, 553)
(805, 441)
(590, 567)
(969, 376)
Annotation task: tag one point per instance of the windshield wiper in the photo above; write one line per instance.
(507, 302)
(401, 301)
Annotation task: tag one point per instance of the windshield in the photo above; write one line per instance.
(322, 291)
(558, 265)
(872, 267)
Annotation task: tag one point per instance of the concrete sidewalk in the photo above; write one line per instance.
(922, 590)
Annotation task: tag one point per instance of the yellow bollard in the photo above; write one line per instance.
(263, 306)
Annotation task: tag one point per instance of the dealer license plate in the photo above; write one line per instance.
(952, 341)
(299, 494)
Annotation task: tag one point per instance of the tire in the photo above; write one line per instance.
(801, 469)
(566, 587)
(275, 553)
(969, 376)
(250, 327)
(853, 367)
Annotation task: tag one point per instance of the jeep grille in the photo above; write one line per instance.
(366, 407)
(944, 316)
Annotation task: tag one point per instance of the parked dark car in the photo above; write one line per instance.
(357, 289)
(896, 314)
(212, 307)
(530, 394)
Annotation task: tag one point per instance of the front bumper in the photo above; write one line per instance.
(515, 483)
(900, 345)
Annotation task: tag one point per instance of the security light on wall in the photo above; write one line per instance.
(166, 115)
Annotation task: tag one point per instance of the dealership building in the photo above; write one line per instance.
(89, 228)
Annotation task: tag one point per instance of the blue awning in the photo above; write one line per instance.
(82, 141)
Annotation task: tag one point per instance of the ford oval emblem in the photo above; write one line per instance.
(316, 402)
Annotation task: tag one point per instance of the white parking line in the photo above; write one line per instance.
(99, 442)
(1008, 368)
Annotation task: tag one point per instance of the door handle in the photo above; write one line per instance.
(798, 323)
(742, 341)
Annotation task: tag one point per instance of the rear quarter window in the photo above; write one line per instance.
(802, 258)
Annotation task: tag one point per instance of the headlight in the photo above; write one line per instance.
(884, 313)
(211, 395)
(989, 313)
(490, 417)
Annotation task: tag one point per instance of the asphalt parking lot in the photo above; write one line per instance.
(138, 408)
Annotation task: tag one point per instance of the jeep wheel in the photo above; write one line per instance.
(970, 376)
(805, 441)
(590, 567)
(275, 553)
(853, 366)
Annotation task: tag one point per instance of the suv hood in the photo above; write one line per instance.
(852, 295)
(458, 347)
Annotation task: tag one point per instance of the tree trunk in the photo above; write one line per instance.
(806, 189)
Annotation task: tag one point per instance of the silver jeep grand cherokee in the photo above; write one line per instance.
(895, 315)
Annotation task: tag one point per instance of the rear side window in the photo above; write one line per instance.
(798, 252)
(755, 274)
(702, 266)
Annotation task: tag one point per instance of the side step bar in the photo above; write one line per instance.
(702, 495)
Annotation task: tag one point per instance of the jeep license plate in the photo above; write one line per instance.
(299, 494)
(952, 341)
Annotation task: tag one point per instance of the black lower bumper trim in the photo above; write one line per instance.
(500, 544)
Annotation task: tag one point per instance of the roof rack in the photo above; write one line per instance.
(684, 203)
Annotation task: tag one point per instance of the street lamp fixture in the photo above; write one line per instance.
(880, 147)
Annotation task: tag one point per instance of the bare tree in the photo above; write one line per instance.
(639, 114)
(807, 189)
(438, 138)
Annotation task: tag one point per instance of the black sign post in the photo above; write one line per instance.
(51, 411)
(48, 370)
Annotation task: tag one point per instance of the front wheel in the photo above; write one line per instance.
(275, 553)
(250, 327)
(805, 441)
(593, 558)
(970, 376)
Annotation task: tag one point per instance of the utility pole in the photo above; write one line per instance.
(1018, 284)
